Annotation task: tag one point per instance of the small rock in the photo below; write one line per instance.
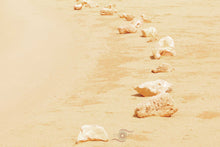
(78, 6)
(127, 29)
(164, 67)
(166, 42)
(153, 88)
(166, 51)
(92, 133)
(106, 11)
(149, 32)
(160, 105)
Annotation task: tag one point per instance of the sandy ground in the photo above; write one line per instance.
(61, 69)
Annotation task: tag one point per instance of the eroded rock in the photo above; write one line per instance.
(166, 42)
(127, 29)
(153, 88)
(149, 32)
(164, 67)
(161, 105)
(166, 51)
(92, 133)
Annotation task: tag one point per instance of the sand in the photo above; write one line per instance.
(61, 69)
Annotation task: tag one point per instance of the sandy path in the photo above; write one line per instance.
(65, 68)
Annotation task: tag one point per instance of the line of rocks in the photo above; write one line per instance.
(160, 102)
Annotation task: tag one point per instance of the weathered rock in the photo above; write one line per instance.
(127, 29)
(150, 32)
(164, 67)
(166, 51)
(92, 133)
(153, 88)
(145, 19)
(166, 42)
(160, 105)
(78, 6)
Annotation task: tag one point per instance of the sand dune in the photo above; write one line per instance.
(61, 69)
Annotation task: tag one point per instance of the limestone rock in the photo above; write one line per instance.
(107, 11)
(166, 42)
(127, 29)
(150, 33)
(160, 105)
(78, 6)
(164, 67)
(92, 133)
(153, 88)
(166, 51)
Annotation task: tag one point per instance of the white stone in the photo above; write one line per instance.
(78, 6)
(166, 42)
(92, 133)
(149, 32)
(161, 105)
(153, 88)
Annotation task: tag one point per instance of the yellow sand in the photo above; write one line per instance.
(61, 69)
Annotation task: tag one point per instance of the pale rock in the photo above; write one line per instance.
(164, 67)
(127, 29)
(161, 105)
(78, 6)
(153, 88)
(167, 51)
(145, 19)
(166, 42)
(107, 11)
(92, 133)
(150, 33)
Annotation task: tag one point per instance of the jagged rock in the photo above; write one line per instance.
(166, 42)
(161, 105)
(127, 29)
(92, 133)
(107, 11)
(149, 32)
(78, 6)
(153, 88)
(145, 19)
(164, 67)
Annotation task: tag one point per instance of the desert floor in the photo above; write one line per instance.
(61, 69)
